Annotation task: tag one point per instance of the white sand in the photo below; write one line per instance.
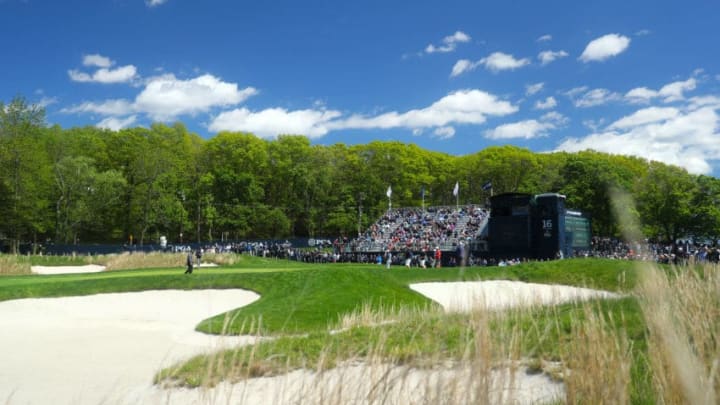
(90, 268)
(502, 294)
(86, 350)
(106, 348)
(376, 384)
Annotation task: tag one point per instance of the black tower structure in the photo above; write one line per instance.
(535, 226)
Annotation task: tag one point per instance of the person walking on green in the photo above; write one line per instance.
(189, 263)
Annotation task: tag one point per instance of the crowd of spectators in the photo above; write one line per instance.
(422, 230)
(679, 252)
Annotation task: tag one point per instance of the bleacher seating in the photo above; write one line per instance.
(417, 230)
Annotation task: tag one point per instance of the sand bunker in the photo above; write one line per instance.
(365, 384)
(93, 349)
(106, 348)
(90, 268)
(502, 294)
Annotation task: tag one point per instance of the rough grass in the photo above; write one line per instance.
(10, 265)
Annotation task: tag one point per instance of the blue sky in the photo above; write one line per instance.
(628, 77)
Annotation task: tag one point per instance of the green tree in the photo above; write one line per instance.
(25, 172)
(665, 198)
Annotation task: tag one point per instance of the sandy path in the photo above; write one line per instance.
(103, 348)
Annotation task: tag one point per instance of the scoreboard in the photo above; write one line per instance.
(577, 231)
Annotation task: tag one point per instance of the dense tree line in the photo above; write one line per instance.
(94, 185)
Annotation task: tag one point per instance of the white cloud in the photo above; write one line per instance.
(688, 139)
(547, 104)
(645, 116)
(583, 98)
(594, 125)
(642, 33)
(576, 91)
(460, 107)
(121, 74)
(674, 91)
(275, 121)
(524, 129)
(444, 132)
(449, 43)
(544, 38)
(528, 129)
(167, 97)
(116, 124)
(115, 107)
(498, 61)
(46, 101)
(704, 101)
(495, 62)
(640, 95)
(554, 117)
(605, 47)
(546, 57)
(153, 3)
(531, 89)
(462, 66)
(97, 60)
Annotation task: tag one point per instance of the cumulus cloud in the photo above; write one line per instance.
(444, 132)
(645, 116)
(275, 121)
(555, 117)
(97, 60)
(674, 91)
(167, 97)
(605, 47)
(527, 129)
(115, 107)
(495, 62)
(460, 107)
(105, 73)
(547, 104)
(546, 57)
(686, 139)
(544, 38)
(499, 61)
(531, 89)
(122, 74)
(582, 97)
(449, 43)
(116, 124)
(462, 66)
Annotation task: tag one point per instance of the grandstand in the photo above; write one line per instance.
(521, 226)
(418, 230)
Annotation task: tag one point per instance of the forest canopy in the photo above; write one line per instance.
(95, 185)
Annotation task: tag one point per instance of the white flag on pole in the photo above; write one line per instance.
(389, 192)
(456, 189)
